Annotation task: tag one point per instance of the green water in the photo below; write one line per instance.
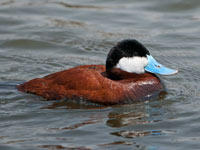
(44, 36)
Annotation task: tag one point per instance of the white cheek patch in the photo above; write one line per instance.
(133, 64)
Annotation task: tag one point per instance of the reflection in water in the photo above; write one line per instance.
(118, 143)
(135, 114)
(74, 104)
(77, 125)
(133, 134)
(127, 117)
(124, 119)
(133, 120)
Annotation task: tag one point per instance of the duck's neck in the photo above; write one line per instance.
(114, 74)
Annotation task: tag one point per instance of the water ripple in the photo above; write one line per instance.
(42, 37)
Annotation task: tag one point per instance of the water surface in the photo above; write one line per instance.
(41, 37)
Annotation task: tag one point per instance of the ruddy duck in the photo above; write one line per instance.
(127, 77)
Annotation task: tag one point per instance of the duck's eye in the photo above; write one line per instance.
(158, 66)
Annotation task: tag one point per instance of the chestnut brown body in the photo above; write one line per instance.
(91, 83)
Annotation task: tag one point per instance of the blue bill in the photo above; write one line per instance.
(154, 67)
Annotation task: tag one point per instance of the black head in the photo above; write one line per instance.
(126, 48)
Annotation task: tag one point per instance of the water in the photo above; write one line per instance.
(41, 37)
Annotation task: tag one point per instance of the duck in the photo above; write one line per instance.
(129, 75)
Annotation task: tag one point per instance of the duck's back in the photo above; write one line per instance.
(90, 82)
